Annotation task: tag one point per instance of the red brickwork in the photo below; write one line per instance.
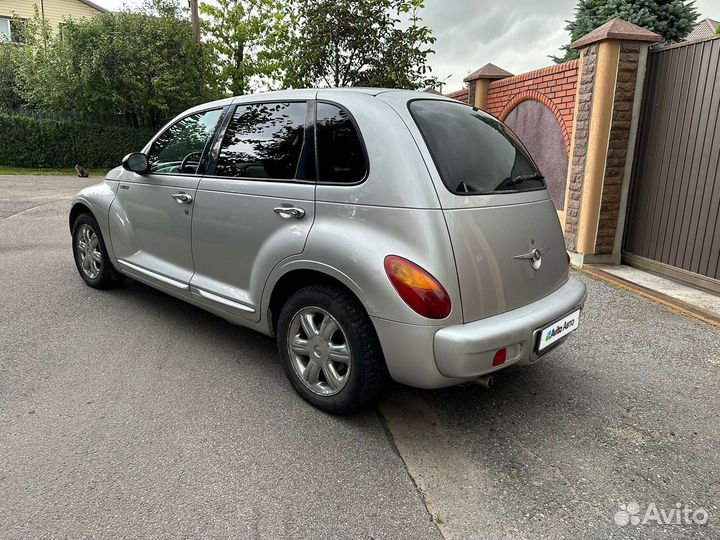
(460, 95)
(554, 86)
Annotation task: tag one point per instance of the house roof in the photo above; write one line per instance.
(94, 6)
(431, 90)
(703, 30)
(617, 29)
(488, 71)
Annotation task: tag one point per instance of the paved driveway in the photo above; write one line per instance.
(130, 413)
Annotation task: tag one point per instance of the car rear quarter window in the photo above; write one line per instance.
(264, 141)
(341, 155)
(474, 152)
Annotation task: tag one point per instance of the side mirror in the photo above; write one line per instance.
(136, 162)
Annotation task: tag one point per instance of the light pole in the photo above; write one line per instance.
(195, 19)
(443, 82)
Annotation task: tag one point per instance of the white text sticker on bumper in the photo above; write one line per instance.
(559, 330)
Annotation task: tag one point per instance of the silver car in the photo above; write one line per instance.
(376, 233)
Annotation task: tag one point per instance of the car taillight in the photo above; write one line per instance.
(418, 289)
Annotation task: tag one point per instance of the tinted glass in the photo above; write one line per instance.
(340, 153)
(183, 143)
(263, 141)
(474, 152)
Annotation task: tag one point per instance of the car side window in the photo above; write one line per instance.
(341, 157)
(179, 149)
(264, 141)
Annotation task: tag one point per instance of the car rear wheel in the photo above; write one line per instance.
(91, 258)
(329, 348)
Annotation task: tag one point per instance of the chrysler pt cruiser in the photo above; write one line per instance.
(375, 233)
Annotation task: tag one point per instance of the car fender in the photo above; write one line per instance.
(352, 243)
(98, 198)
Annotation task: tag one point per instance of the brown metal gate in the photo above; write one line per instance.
(673, 218)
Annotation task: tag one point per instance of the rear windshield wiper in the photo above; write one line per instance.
(464, 187)
(515, 180)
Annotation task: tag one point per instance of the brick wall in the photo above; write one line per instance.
(554, 86)
(617, 147)
(579, 155)
(460, 95)
(594, 95)
(466, 95)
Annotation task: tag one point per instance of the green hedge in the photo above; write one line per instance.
(29, 142)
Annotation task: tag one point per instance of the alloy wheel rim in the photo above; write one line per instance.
(319, 351)
(88, 250)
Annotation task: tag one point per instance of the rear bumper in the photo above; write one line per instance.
(436, 356)
(467, 350)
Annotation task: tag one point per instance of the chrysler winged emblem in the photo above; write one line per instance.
(534, 256)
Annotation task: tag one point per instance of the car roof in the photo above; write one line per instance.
(390, 95)
(303, 93)
(298, 92)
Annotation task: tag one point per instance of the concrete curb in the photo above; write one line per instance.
(663, 299)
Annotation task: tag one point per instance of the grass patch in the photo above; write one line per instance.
(15, 171)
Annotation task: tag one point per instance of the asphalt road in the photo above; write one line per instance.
(129, 413)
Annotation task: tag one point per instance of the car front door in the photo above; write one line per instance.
(255, 206)
(151, 216)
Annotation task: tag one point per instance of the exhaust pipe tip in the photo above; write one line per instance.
(486, 381)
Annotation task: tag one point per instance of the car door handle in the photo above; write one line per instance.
(287, 212)
(182, 198)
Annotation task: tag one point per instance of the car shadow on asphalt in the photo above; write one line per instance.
(248, 354)
(516, 391)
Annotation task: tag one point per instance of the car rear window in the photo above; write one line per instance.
(474, 152)
(341, 158)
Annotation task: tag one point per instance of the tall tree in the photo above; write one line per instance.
(147, 68)
(247, 40)
(361, 43)
(9, 94)
(672, 19)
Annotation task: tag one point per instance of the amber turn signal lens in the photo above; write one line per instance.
(418, 288)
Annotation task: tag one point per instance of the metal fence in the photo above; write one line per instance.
(673, 220)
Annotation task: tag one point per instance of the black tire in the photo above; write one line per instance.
(367, 373)
(107, 277)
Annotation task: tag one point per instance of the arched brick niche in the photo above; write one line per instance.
(540, 107)
(531, 95)
(554, 86)
(538, 126)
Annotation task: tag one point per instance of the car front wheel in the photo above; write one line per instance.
(90, 255)
(329, 348)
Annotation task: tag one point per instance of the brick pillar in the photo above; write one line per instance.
(612, 70)
(479, 84)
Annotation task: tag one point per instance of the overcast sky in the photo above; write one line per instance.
(517, 35)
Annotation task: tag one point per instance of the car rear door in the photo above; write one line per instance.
(151, 216)
(507, 240)
(255, 206)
